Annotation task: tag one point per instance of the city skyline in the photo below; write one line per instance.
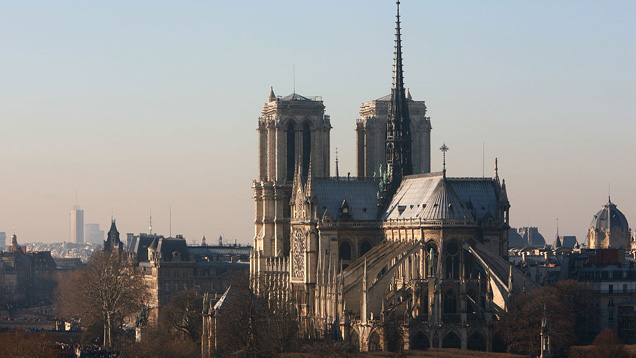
(152, 107)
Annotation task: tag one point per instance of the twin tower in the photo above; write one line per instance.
(294, 131)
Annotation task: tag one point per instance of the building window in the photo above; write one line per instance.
(611, 302)
(345, 251)
(610, 315)
(625, 288)
(176, 286)
(610, 289)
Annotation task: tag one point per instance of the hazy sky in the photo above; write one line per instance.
(141, 106)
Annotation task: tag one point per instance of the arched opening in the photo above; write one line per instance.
(450, 302)
(345, 251)
(452, 341)
(291, 151)
(431, 259)
(374, 342)
(476, 342)
(419, 341)
(355, 340)
(365, 247)
(306, 148)
(452, 261)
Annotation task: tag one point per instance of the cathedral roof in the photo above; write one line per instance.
(431, 197)
(387, 98)
(360, 194)
(295, 97)
(616, 218)
(427, 197)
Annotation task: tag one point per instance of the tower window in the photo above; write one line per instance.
(291, 151)
(306, 148)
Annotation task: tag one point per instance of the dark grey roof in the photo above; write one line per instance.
(431, 197)
(515, 240)
(295, 97)
(139, 245)
(387, 98)
(617, 219)
(167, 246)
(480, 193)
(568, 241)
(360, 194)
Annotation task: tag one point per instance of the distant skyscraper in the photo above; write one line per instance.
(3, 239)
(94, 235)
(77, 225)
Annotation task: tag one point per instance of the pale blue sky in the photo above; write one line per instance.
(143, 105)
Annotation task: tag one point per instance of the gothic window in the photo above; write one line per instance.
(419, 341)
(450, 302)
(298, 267)
(476, 342)
(451, 341)
(345, 251)
(291, 151)
(365, 247)
(306, 148)
(452, 260)
(374, 342)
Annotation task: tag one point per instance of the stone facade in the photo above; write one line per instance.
(292, 131)
(371, 136)
(26, 277)
(609, 229)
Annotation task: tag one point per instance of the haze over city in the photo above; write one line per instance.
(152, 106)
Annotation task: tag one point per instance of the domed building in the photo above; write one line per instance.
(609, 229)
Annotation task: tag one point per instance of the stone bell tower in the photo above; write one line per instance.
(292, 131)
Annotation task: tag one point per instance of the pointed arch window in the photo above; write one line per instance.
(306, 148)
(291, 150)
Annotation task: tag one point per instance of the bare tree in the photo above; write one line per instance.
(568, 305)
(184, 313)
(107, 290)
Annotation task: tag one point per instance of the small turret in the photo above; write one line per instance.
(272, 96)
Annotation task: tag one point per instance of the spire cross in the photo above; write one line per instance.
(444, 149)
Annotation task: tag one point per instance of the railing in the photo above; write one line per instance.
(393, 223)
(450, 317)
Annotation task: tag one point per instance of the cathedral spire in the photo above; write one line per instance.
(398, 127)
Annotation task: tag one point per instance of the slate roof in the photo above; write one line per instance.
(480, 193)
(139, 245)
(360, 194)
(295, 97)
(617, 219)
(167, 246)
(431, 197)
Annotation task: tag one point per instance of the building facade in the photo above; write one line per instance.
(371, 136)
(25, 277)
(76, 225)
(424, 251)
(609, 229)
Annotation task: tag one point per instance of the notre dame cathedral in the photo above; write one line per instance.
(395, 256)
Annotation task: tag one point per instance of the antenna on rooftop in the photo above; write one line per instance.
(483, 159)
(150, 223)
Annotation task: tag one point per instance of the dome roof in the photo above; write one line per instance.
(616, 218)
